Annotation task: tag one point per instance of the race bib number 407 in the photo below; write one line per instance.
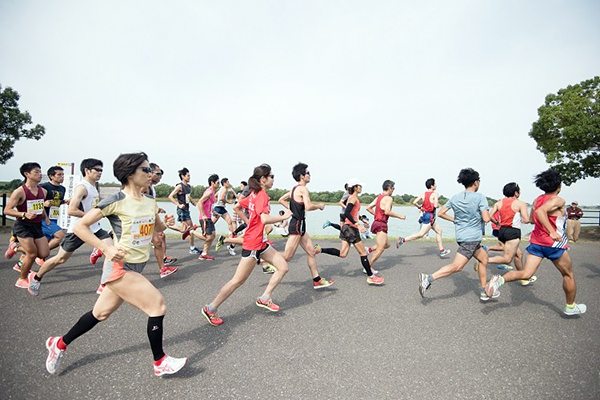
(35, 206)
(141, 231)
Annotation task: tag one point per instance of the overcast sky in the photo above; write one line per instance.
(401, 90)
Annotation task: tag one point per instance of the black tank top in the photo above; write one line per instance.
(296, 208)
(183, 196)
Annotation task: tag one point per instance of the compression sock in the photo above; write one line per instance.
(85, 323)
(364, 260)
(155, 335)
(330, 251)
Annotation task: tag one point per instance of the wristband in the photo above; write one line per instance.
(23, 215)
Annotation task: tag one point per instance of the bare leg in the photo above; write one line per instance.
(565, 266)
(382, 244)
(308, 247)
(276, 259)
(242, 273)
(438, 236)
(510, 249)
(424, 229)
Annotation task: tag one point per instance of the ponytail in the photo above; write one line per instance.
(254, 180)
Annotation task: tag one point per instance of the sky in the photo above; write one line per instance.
(400, 90)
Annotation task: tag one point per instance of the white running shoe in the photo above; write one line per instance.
(34, 287)
(54, 354)
(169, 365)
(231, 250)
(578, 309)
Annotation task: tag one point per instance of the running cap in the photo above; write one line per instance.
(574, 202)
(353, 182)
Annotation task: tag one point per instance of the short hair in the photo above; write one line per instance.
(89, 163)
(126, 164)
(212, 179)
(387, 184)
(182, 172)
(224, 181)
(510, 189)
(548, 181)
(299, 170)
(28, 167)
(467, 177)
(281, 212)
(154, 166)
(429, 183)
(244, 183)
(52, 170)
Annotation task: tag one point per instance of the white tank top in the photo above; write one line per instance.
(87, 203)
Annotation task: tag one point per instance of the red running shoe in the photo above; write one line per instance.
(211, 317)
(12, 250)
(269, 305)
(95, 256)
(205, 257)
(166, 271)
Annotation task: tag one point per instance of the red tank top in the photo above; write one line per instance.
(33, 204)
(507, 214)
(354, 213)
(540, 235)
(427, 204)
(379, 214)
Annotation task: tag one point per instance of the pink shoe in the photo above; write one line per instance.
(269, 305)
(375, 280)
(205, 257)
(39, 261)
(12, 250)
(22, 283)
(166, 271)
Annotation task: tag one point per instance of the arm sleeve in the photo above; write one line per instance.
(348, 212)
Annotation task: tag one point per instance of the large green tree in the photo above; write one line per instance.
(568, 130)
(12, 124)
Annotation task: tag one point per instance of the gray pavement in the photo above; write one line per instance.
(350, 341)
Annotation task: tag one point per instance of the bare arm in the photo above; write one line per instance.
(308, 205)
(524, 213)
(201, 202)
(485, 215)
(16, 198)
(174, 193)
(79, 194)
(493, 212)
(283, 200)
(445, 216)
(370, 207)
(82, 230)
(267, 219)
(553, 204)
(238, 210)
(386, 205)
(417, 202)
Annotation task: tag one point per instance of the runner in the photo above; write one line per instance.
(548, 240)
(205, 205)
(383, 211)
(219, 210)
(159, 241)
(255, 245)
(471, 213)
(350, 234)
(55, 197)
(26, 204)
(133, 217)
(180, 196)
(342, 204)
(428, 203)
(511, 213)
(85, 198)
(298, 202)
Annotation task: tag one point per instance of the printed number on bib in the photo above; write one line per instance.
(54, 212)
(187, 198)
(141, 231)
(35, 206)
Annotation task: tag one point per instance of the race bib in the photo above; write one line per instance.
(187, 198)
(95, 202)
(54, 212)
(35, 206)
(141, 231)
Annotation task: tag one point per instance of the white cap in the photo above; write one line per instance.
(353, 182)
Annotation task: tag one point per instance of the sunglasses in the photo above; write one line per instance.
(272, 176)
(147, 170)
(98, 169)
(307, 173)
(158, 173)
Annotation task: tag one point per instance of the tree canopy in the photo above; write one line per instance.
(568, 130)
(12, 124)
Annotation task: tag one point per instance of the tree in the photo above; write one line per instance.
(568, 130)
(12, 124)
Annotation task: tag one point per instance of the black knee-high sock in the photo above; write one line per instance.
(155, 335)
(336, 226)
(333, 252)
(364, 260)
(240, 228)
(85, 323)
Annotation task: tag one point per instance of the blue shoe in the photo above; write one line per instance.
(327, 224)
(505, 267)
(195, 250)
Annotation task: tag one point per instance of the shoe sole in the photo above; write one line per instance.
(323, 286)
(208, 319)
(375, 283)
(265, 307)
(173, 371)
(57, 364)
(168, 273)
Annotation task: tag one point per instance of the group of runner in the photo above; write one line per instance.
(136, 224)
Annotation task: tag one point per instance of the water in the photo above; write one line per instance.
(315, 220)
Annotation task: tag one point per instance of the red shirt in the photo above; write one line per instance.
(427, 204)
(379, 213)
(256, 204)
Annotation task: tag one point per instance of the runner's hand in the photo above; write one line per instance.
(169, 220)
(181, 206)
(114, 254)
(555, 236)
(287, 213)
(47, 203)
(362, 229)
(30, 215)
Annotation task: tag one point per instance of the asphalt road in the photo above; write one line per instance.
(350, 341)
